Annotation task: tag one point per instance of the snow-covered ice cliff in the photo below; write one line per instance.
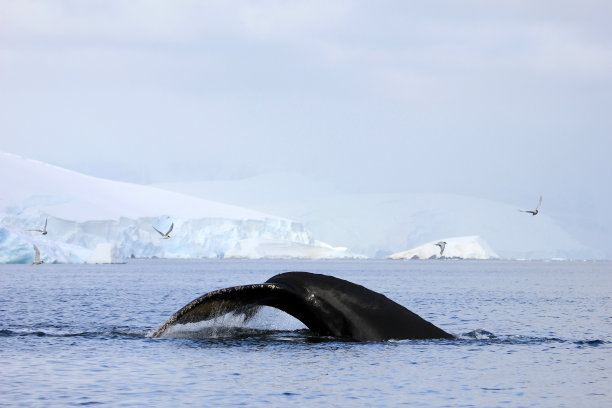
(101, 220)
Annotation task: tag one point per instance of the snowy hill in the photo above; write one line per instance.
(379, 225)
(72, 196)
(87, 215)
(472, 247)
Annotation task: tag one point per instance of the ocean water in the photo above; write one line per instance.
(530, 334)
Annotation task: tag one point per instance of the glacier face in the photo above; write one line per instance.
(72, 241)
(87, 216)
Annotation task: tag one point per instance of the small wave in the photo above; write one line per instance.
(238, 336)
(212, 332)
(486, 337)
(514, 340)
(479, 334)
(590, 343)
(6, 333)
(40, 333)
(12, 333)
(231, 332)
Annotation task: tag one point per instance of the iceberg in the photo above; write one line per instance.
(468, 247)
(103, 221)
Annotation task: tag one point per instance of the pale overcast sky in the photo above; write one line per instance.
(504, 100)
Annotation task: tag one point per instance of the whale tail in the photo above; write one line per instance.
(328, 306)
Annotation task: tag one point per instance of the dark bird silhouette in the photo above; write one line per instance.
(442, 245)
(42, 231)
(167, 234)
(534, 212)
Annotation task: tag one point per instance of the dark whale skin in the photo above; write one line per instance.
(328, 306)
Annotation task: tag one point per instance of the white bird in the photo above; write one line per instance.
(442, 245)
(167, 234)
(534, 212)
(42, 231)
(37, 260)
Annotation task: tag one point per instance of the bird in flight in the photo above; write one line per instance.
(37, 260)
(534, 212)
(42, 231)
(442, 245)
(167, 234)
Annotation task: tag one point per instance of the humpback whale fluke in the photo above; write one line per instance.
(37, 260)
(42, 231)
(534, 212)
(167, 234)
(442, 245)
(328, 306)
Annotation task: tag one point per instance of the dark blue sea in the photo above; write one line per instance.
(530, 334)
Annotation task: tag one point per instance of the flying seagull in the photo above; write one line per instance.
(442, 245)
(534, 212)
(42, 231)
(167, 234)
(37, 260)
